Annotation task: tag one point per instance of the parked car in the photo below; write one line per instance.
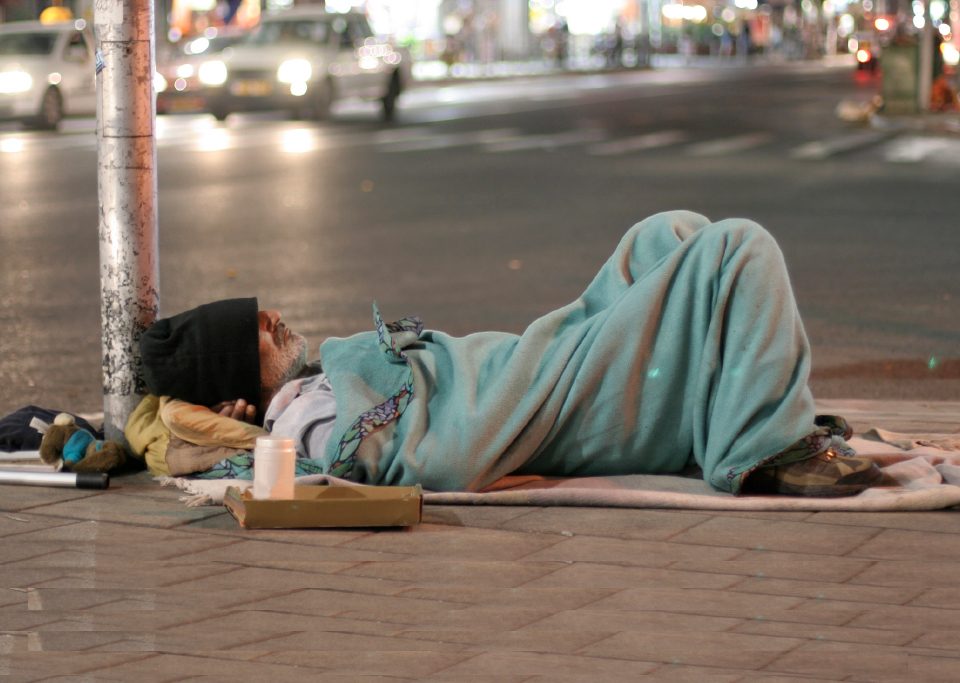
(46, 72)
(176, 82)
(301, 60)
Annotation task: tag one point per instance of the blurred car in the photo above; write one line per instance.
(301, 60)
(46, 72)
(177, 85)
(865, 45)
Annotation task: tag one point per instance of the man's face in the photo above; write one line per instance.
(283, 353)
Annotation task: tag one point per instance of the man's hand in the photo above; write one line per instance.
(238, 410)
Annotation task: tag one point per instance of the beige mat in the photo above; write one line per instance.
(925, 467)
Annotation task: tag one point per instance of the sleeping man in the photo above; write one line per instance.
(685, 350)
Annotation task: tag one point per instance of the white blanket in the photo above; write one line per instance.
(925, 467)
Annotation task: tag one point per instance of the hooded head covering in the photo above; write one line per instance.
(205, 355)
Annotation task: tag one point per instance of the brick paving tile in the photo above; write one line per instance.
(36, 666)
(608, 621)
(282, 555)
(907, 575)
(17, 499)
(721, 649)
(526, 639)
(738, 605)
(117, 575)
(14, 552)
(111, 570)
(13, 599)
(795, 537)
(476, 516)
(930, 520)
(772, 515)
(493, 574)
(523, 596)
(614, 576)
(127, 509)
(107, 538)
(652, 525)
(785, 678)
(310, 641)
(821, 632)
(480, 678)
(925, 618)
(771, 563)
(400, 610)
(130, 600)
(681, 673)
(826, 590)
(549, 665)
(224, 525)
(144, 641)
(129, 620)
(333, 603)
(17, 523)
(896, 544)
(278, 622)
(170, 667)
(357, 662)
(948, 598)
(942, 640)
(284, 581)
(629, 551)
(865, 663)
(452, 543)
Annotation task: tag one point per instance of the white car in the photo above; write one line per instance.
(46, 72)
(301, 60)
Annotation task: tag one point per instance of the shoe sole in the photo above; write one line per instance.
(836, 490)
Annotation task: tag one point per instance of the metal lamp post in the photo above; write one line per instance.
(126, 178)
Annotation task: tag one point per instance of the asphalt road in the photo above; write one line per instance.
(487, 204)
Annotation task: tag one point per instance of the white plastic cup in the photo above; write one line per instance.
(273, 468)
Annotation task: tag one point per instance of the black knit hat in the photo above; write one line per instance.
(205, 355)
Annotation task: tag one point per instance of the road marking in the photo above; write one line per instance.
(639, 143)
(824, 149)
(914, 148)
(737, 143)
(546, 142)
(446, 141)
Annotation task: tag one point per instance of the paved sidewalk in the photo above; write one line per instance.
(130, 585)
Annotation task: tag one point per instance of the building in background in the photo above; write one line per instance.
(577, 33)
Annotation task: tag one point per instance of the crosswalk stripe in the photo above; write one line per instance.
(638, 143)
(441, 141)
(545, 142)
(913, 149)
(737, 143)
(823, 149)
(202, 134)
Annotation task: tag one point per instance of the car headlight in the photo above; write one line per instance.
(15, 81)
(159, 82)
(294, 71)
(212, 73)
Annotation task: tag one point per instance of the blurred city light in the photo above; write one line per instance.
(951, 55)
(298, 141)
(11, 145)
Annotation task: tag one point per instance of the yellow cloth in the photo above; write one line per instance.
(159, 421)
(199, 425)
(147, 436)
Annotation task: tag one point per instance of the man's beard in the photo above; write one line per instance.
(288, 362)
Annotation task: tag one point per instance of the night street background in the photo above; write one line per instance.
(486, 204)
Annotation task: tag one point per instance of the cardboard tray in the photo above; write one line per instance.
(328, 506)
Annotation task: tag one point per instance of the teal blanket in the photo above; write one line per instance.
(686, 348)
